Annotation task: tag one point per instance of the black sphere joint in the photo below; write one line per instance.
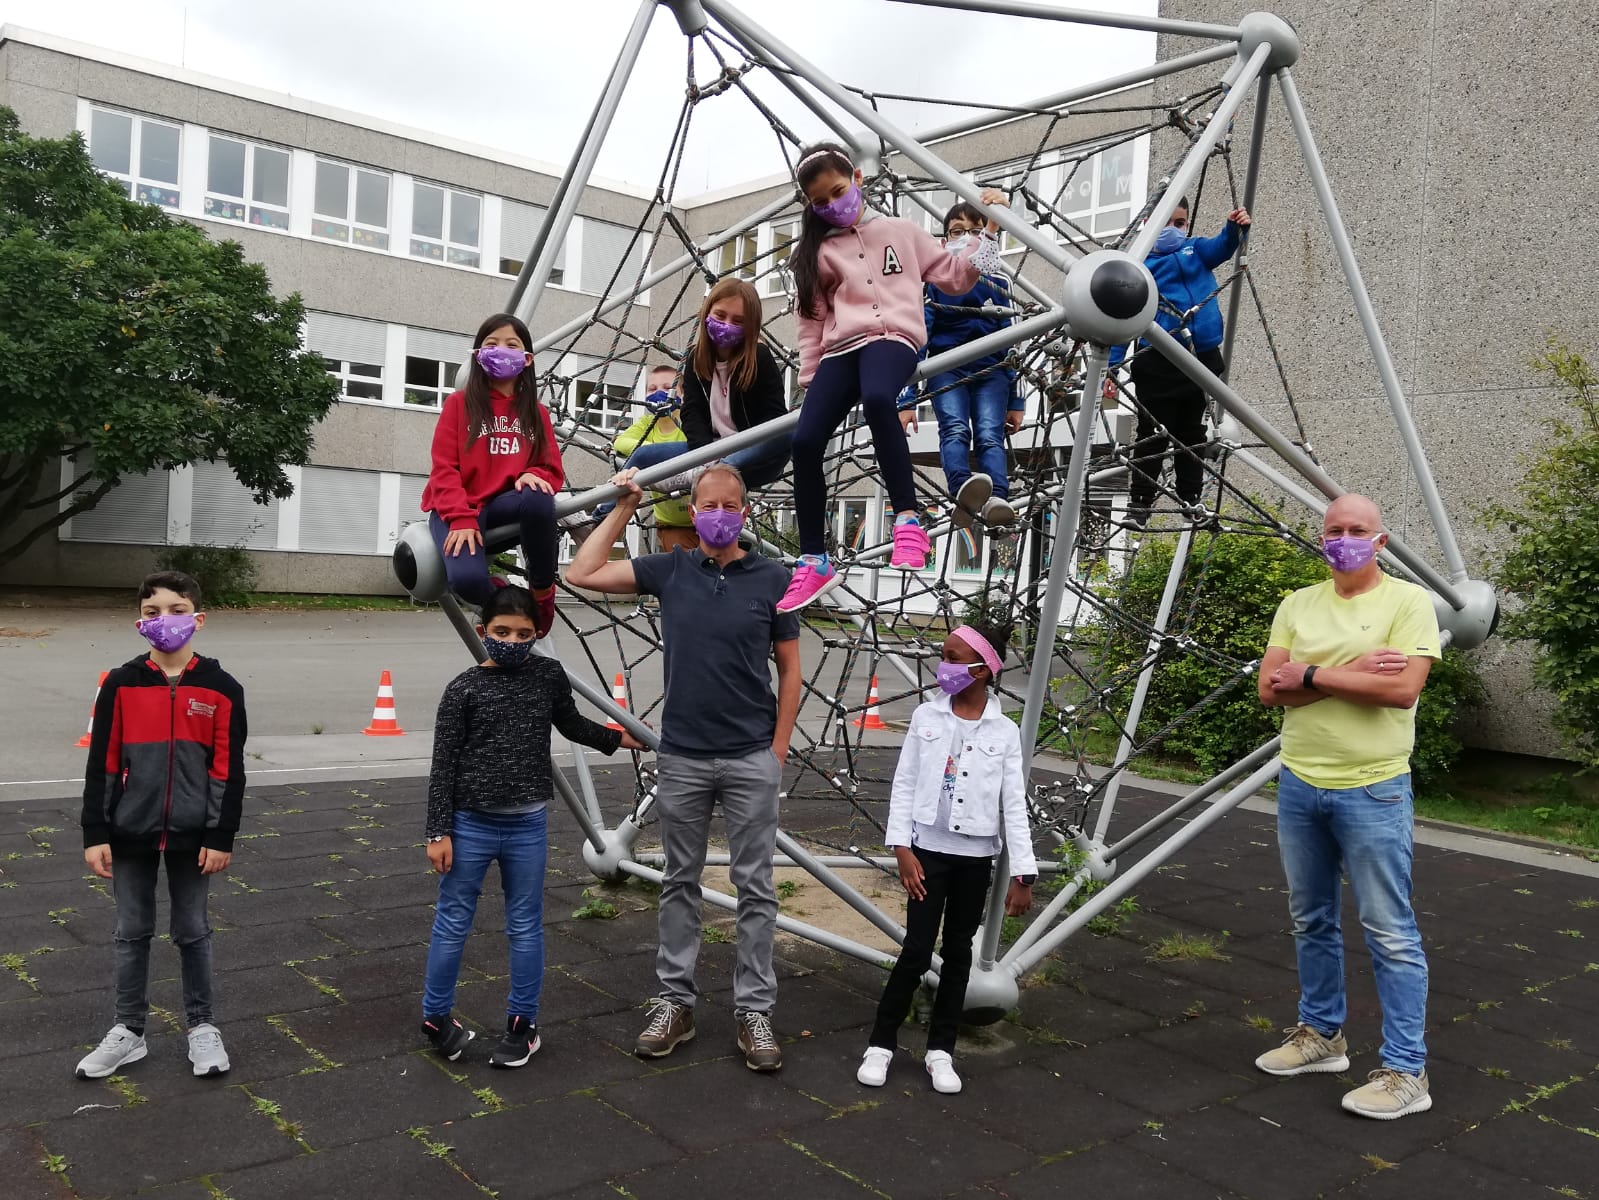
(405, 566)
(1118, 289)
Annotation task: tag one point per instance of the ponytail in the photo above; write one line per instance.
(814, 161)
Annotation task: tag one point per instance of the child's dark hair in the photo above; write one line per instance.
(967, 211)
(814, 160)
(997, 635)
(509, 601)
(183, 584)
(525, 391)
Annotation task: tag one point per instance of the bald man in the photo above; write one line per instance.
(1346, 661)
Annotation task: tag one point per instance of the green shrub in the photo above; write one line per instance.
(226, 574)
(1240, 581)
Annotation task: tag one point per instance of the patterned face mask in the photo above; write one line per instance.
(844, 211)
(724, 335)
(507, 654)
(955, 678)
(169, 632)
(1348, 553)
(501, 362)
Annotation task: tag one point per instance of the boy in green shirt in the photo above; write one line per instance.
(674, 524)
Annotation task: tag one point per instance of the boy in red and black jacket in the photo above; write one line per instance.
(165, 779)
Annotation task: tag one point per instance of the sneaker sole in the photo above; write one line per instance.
(645, 1052)
(533, 1048)
(134, 1057)
(1421, 1104)
(837, 578)
(864, 1082)
(763, 1068)
(214, 1069)
(946, 1091)
(972, 507)
(1323, 1066)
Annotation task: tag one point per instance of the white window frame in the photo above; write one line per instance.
(344, 371)
(449, 250)
(249, 206)
(135, 182)
(356, 233)
(729, 264)
(775, 283)
(438, 392)
(615, 411)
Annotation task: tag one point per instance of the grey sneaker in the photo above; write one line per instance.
(1388, 1094)
(670, 1024)
(998, 512)
(206, 1052)
(117, 1049)
(1305, 1052)
(970, 498)
(759, 1044)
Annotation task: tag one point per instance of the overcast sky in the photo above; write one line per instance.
(477, 70)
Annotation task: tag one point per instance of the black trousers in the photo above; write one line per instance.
(1167, 397)
(956, 886)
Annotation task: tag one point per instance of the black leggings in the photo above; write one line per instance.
(1167, 397)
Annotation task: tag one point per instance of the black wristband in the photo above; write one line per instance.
(1025, 880)
(1310, 678)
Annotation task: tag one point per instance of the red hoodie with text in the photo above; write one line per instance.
(465, 478)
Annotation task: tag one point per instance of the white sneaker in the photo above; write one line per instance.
(874, 1066)
(206, 1052)
(941, 1066)
(118, 1048)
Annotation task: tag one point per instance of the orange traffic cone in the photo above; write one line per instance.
(384, 721)
(872, 718)
(84, 740)
(619, 694)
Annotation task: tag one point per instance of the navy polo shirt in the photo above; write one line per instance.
(718, 625)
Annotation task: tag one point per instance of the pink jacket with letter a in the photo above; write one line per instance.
(871, 278)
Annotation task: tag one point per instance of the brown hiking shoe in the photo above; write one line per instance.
(670, 1023)
(759, 1044)
(1305, 1051)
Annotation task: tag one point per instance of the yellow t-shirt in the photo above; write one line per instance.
(1337, 743)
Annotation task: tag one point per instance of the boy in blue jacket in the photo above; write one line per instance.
(1171, 407)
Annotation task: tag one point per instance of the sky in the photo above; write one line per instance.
(478, 71)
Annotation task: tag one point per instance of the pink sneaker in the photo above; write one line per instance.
(808, 584)
(911, 547)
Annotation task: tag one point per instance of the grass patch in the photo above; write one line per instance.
(1260, 1022)
(595, 909)
(717, 935)
(1182, 947)
(1571, 822)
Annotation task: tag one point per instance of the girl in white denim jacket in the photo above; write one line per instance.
(958, 781)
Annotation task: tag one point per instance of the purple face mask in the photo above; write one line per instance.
(724, 335)
(501, 362)
(844, 211)
(718, 528)
(1348, 553)
(955, 678)
(168, 633)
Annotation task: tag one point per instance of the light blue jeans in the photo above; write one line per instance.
(1366, 832)
(971, 415)
(519, 844)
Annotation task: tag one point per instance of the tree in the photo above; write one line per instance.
(1550, 562)
(130, 342)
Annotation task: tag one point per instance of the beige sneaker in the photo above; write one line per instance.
(1389, 1094)
(670, 1024)
(1305, 1051)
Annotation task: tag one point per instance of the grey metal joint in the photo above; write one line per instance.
(1264, 28)
(691, 18)
(1474, 622)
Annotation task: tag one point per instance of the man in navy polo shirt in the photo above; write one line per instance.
(724, 737)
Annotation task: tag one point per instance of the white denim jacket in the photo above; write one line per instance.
(989, 786)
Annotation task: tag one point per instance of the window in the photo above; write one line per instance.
(1098, 191)
(133, 512)
(352, 205)
(224, 511)
(445, 225)
(519, 227)
(780, 237)
(248, 183)
(611, 258)
(736, 258)
(339, 511)
(968, 548)
(603, 406)
(432, 359)
(352, 349)
(140, 154)
(357, 381)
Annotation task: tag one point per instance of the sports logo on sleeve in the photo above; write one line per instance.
(891, 262)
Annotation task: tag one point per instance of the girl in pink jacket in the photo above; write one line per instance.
(859, 277)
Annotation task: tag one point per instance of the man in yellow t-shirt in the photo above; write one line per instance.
(1346, 661)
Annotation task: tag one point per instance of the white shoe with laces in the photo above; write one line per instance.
(117, 1049)
(941, 1066)
(874, 1066)
(206, 1052)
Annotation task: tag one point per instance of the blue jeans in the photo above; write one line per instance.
(518, 842)
(760, 465)
(534, 511)
(971, 415)
(1365, 831)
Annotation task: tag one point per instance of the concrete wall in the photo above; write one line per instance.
(1458, 136)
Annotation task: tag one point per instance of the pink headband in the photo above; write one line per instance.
(819, 154)
(980, 644)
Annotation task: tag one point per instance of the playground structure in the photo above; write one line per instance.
(1056, 573)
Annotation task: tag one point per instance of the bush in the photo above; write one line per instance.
(226, 574)
(1240, 582)
(1551, 564)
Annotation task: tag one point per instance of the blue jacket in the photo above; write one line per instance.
(946, 330)
(1186, 278)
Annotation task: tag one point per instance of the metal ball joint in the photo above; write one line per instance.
(1109, 297)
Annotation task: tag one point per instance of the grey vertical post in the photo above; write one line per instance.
(1257, 139)
(1405, 423)
(529, 287)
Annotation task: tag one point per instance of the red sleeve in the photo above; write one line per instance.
(547, 466)
(446, 491)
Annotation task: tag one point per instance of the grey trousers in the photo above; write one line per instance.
(687, 790)
(133, 883)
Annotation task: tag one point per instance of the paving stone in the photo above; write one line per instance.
(1150, 1077)
(1062, 1013)
(1311, 1104)
(1480, 1047)
(268, 945)
(48, 866)
(743, 1170)
(366, 975)
(1039, 1109)
(390, 1166)
(366, 1029)
(370, 1100)
(43, 1087)
(62, 1023)
(395, 891)
(1250, 1156)
(26, 1172)
(1557, 1015)
(580, 1140)
(1440, 1173)
(311, 820)
(266, 908)
(1116, 1169)
(1541, 1151)
(745, 1104)
(257, 1051)
(270, 844)
(381, 930)
(293, 872)
(900, 1155)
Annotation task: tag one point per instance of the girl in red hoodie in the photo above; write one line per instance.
(495, 462)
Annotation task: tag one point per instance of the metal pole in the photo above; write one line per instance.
(1257, 139)
(1081, 16)
(751, 35)
(1450, 548)
(1205, 790)
(1194, 161)
(1291, 454)
(579, 812)
(1135, 710)
(838, 887)
(529, 287)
